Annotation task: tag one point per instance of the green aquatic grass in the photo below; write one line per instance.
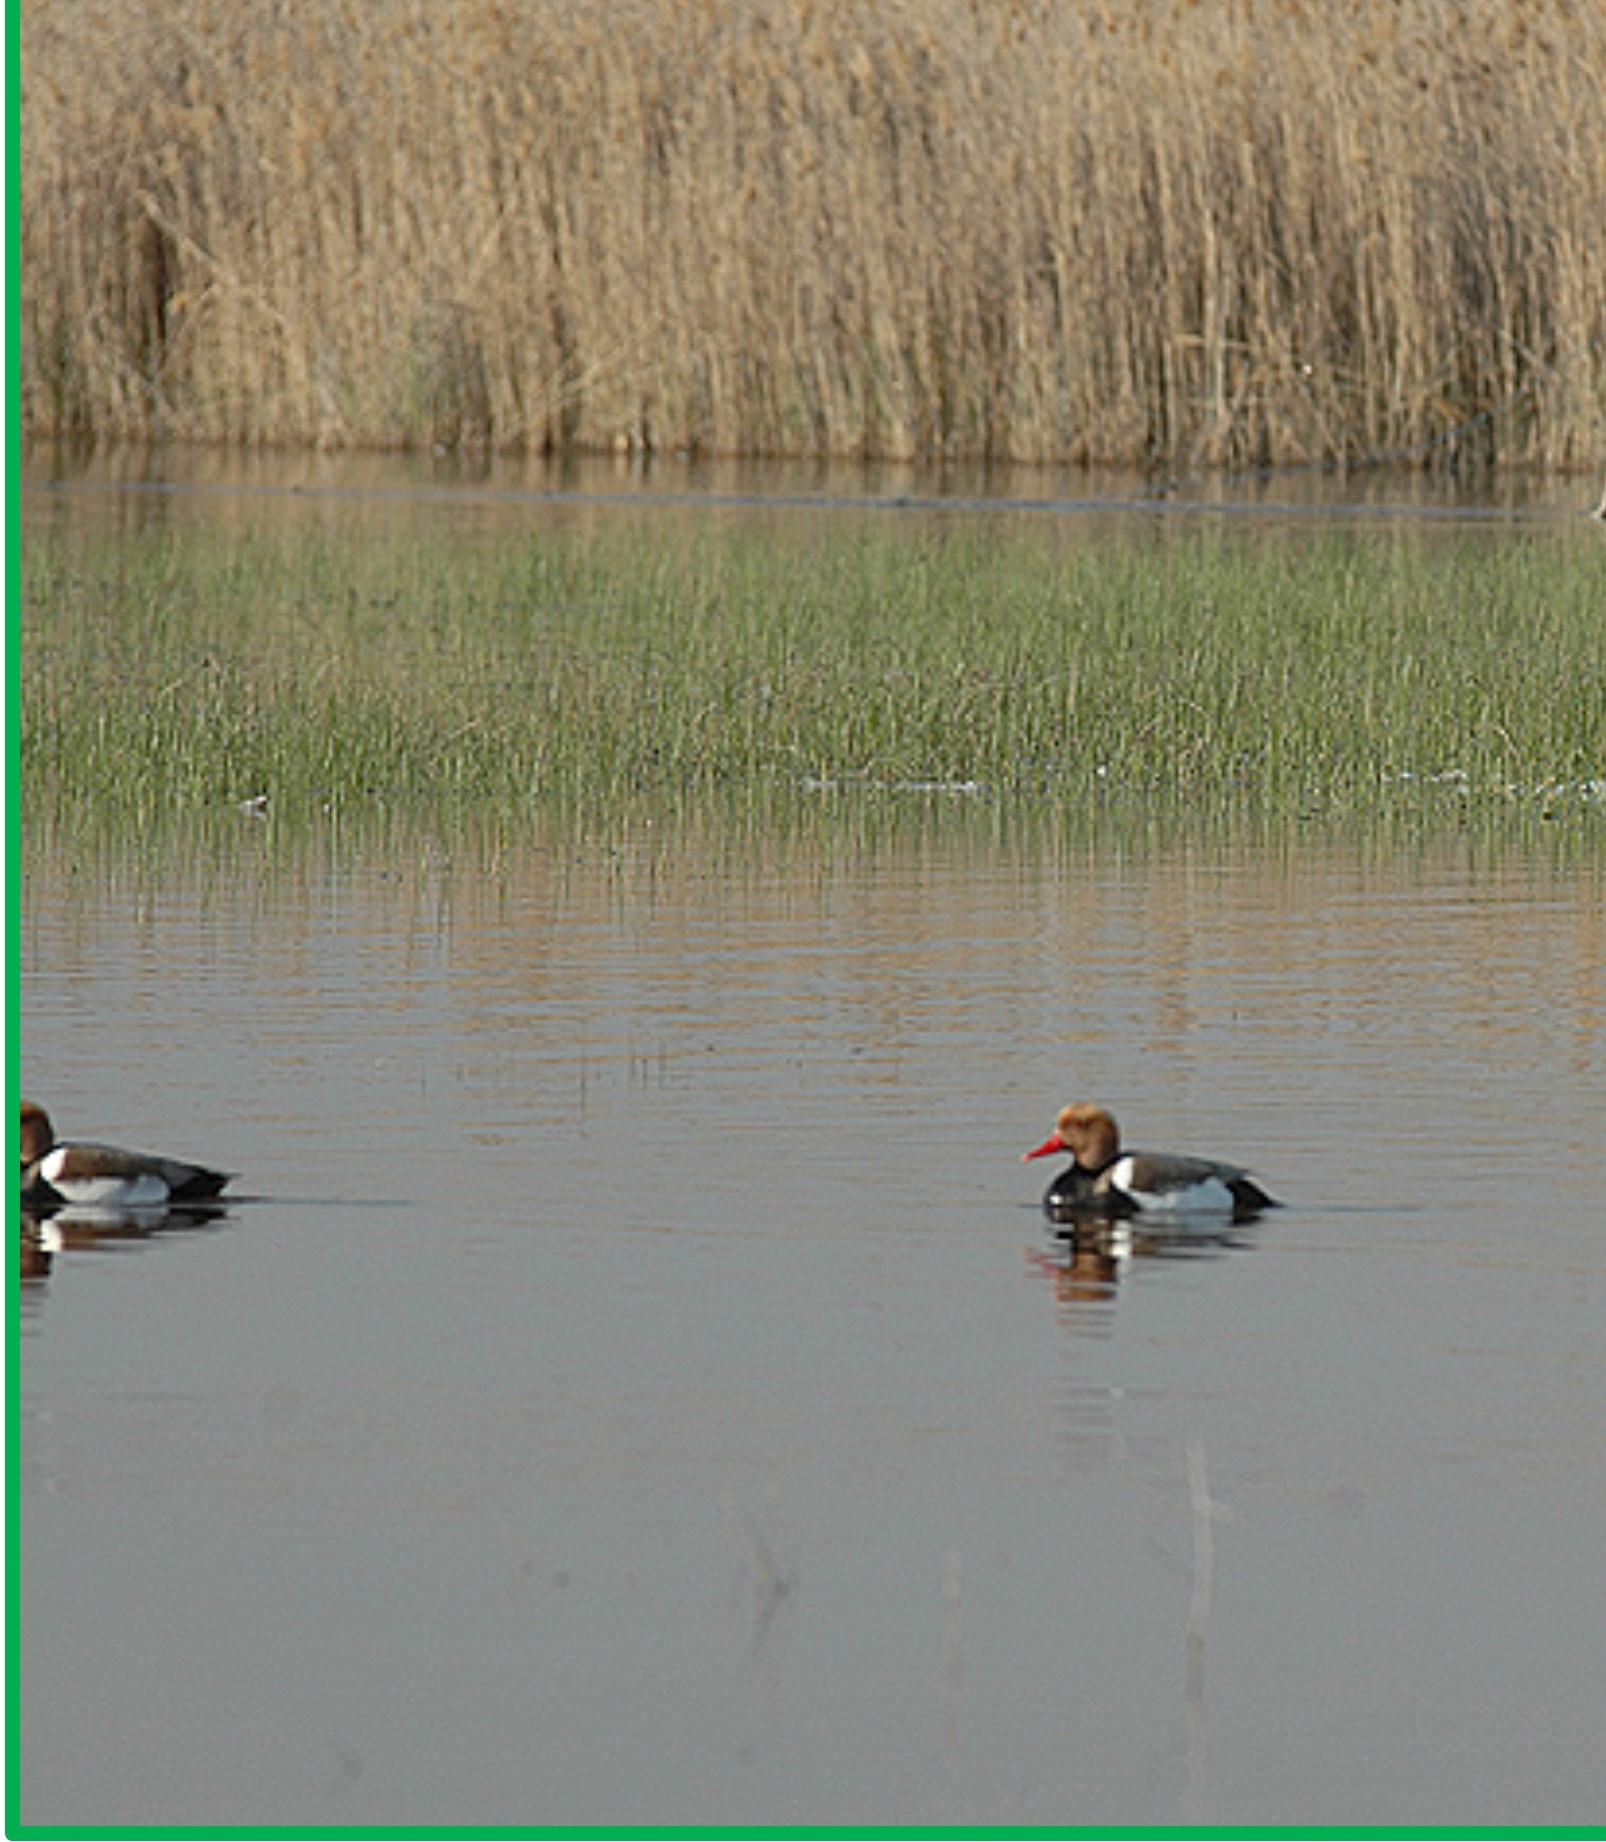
(1342, 672)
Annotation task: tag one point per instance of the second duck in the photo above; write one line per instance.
(1102, 1182)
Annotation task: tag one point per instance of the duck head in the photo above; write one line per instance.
(1087, 1132)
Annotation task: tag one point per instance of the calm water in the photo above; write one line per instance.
(634, 1383)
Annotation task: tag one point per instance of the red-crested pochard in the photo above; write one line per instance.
(1102, 1181)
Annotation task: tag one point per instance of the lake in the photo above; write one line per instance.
(632, 1381)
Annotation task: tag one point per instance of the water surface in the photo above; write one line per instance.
(634, 1383)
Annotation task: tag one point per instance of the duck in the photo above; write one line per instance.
(1102, 1182)
(104, 1176)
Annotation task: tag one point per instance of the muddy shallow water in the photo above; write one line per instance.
(634, 1384)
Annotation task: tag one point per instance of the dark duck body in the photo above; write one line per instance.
(55, 1176)
(1104, 1183)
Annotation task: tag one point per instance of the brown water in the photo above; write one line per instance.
(634, 1383)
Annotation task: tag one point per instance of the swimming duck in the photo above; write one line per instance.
(102, 1176)
(1103, 1182)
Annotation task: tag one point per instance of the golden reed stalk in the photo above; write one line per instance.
(1142, 232)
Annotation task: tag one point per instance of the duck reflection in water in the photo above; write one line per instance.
(1090, 1258)
(44, 1234)
(39, 1241)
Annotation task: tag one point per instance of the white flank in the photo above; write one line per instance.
(141, 1190)
(1212, 1197)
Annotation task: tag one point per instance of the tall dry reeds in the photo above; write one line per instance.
(1149, 232)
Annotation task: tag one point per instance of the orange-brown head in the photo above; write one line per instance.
(1087, 1132)
(36, 1137)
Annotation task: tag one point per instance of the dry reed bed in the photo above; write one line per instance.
(1144, 233)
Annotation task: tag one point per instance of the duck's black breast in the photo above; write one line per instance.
(36, 1193)
(1079, 1195)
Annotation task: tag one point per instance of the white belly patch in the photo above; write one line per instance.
(1210, 1197)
